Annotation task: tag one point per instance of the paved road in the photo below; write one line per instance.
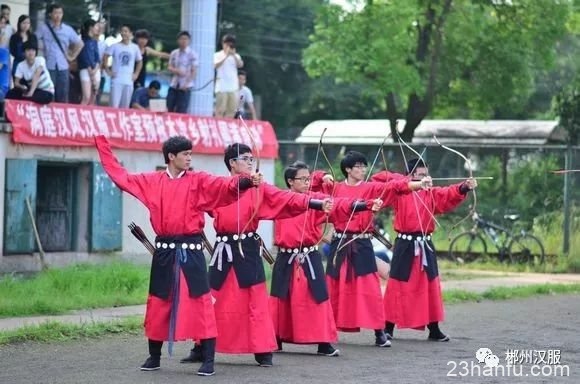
(542, 323)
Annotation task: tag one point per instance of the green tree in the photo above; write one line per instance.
(458, 58)
(567, 107)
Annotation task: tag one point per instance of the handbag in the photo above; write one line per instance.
(73, 65)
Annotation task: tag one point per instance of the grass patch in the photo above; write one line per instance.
(454, 296)
(454, 275)
(82, 286)
(58, 332)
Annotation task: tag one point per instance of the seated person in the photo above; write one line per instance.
(142, 95)
(31, 80)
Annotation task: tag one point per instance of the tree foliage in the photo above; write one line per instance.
(460, 58)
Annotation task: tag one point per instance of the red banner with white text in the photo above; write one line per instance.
(75, 125)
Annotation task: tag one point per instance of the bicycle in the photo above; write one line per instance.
(514, 247)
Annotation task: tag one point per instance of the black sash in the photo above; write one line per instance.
(194, 267)
(282, 273)
(359, 255)
(403, 256)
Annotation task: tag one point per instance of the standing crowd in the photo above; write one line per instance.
(55, 63)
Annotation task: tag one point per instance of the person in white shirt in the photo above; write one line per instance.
(32, 80)
(127, 63)
(226, 63)
(246, 97)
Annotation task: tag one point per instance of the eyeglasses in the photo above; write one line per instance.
(303, 179)
(247, 159)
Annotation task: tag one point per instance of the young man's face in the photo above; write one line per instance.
(56, 15)
(242, 80)
(357, 172)
(6, 13)
(183, 42)
(181, 161)
(301, 181)
(30, 54)
(126, 34)
(419, 173)
(244, 163)
(153, 93)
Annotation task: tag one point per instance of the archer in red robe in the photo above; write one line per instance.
(353, 280)
(237, 276)
(179, 306)
(299, 303)
(413, 296)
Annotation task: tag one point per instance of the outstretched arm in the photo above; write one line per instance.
(218, 191)
(135, 184)
(448, 198)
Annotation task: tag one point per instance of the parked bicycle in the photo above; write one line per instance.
(514, 247)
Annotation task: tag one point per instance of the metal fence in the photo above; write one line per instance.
(524, 182)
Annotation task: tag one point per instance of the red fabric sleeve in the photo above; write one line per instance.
(136, 184)
(385, 176)
(280, 204)
(317, 185)
(388, 192)
(447, 198)
(217, 191)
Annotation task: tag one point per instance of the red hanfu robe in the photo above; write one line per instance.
(175, 207)
(357, 300)
(413, 296)
(299, 317)
(241, 300)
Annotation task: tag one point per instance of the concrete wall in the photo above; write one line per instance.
(134, 161)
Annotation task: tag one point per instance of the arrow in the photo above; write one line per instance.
(461, 178)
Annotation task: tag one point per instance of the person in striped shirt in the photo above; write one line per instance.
(32, 80)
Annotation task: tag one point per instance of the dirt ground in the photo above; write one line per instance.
(549, 323)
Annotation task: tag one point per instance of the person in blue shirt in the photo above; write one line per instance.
(142, 96)
(89, 62)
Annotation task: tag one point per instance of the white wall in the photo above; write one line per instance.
(20, 7)
(134, 161)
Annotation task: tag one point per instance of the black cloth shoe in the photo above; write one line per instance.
(264, 359)
(327, 349)
(195, 356)
(208, 353)
(151, 364)
(435, 333)
(381, 339)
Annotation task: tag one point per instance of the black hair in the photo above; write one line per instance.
(233, 151)
(155, 85)
(350, 160)
(128, 26)
(88, 24)
(413, 164)
(4, 6)
(229, 39)
(184, 33)
(292, 170)
(54, 6)
(175, 144)
(241, 72)
(22, 18)
(142, 34)
(29, 44)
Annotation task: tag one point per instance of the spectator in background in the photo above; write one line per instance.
(142, 96)
(60, 45)
(5, 11)
(22, 35)
(127, 63)
(102, 48)
(142, 38)
(226, 63)
(183, 66)
(89, 62)
(4, 72)
(246, 97)
(32, 80)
